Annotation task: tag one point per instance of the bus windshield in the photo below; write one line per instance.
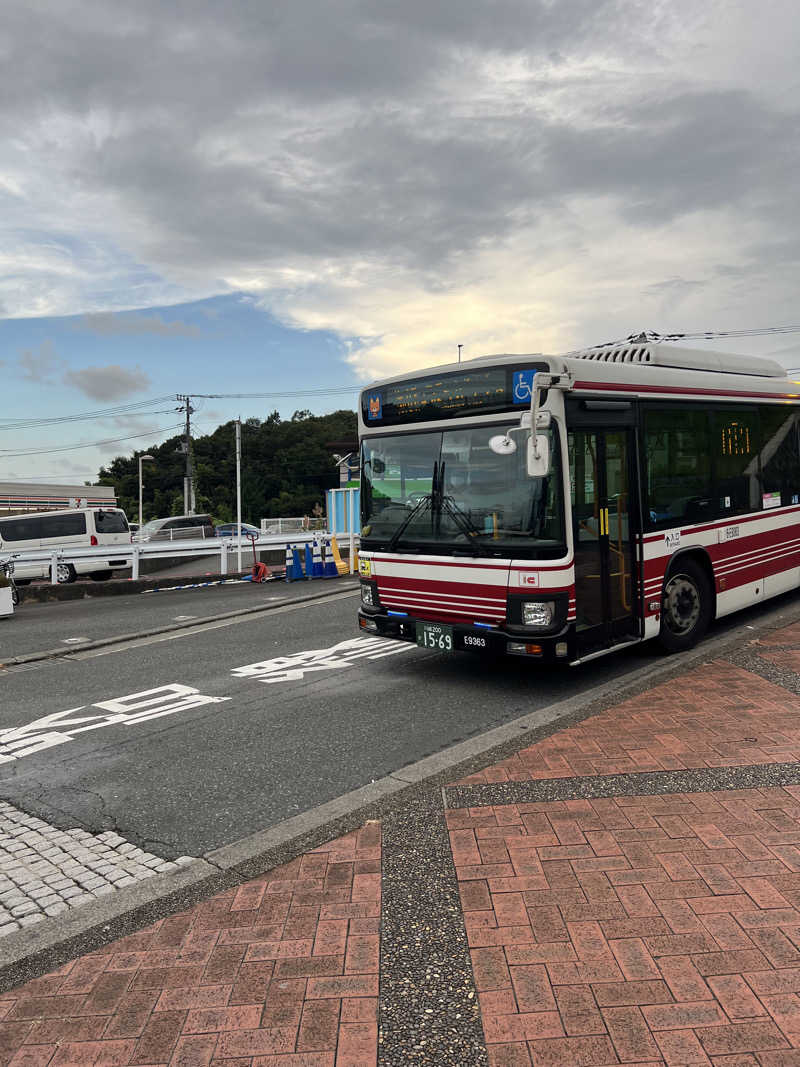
(448, 491)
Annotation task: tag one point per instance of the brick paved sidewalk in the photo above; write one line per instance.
(281, 972)
(716, 716)
(644, 929)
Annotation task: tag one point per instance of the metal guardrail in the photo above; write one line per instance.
(223, 547)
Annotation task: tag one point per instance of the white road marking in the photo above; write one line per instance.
(183, 618)
(131, 710)
(293, 668)
(73, 640)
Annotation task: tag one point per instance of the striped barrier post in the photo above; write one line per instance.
(316, 560)
(329, 570)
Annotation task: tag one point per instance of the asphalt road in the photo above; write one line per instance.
(198, 777)
(37, 627)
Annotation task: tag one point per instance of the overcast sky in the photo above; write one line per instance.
(311, 193)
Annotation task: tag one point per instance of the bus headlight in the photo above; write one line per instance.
(368, 595)
(538, 613)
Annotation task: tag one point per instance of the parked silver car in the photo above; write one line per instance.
(177, 528)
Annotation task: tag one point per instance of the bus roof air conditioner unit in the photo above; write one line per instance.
(683, 359)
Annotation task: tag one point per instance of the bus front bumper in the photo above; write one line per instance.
(466, 638)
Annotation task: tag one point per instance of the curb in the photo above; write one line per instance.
(52, 594)
(103, 642)
(30, 953)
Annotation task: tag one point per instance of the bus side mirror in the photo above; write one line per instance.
(538, 456)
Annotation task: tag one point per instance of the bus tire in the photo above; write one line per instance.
(685, 606)
(65, 573)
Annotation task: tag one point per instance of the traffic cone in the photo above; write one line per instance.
(297, 565)
(289, 564)
(341, 566)
(316, 556)
(309, 562)
(329, 570)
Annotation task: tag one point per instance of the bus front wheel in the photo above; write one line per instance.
(685, 607)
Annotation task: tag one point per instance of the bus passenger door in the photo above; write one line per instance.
(601, 477)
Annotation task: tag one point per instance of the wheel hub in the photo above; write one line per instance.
(681, 604)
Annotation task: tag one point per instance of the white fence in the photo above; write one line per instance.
(223, 547)
(294, 525)
(190, 533)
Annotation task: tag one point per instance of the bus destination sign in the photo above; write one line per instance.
(448, 396)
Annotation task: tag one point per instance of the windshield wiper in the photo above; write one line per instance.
(418, 509)
(420, 506)
(470, 531)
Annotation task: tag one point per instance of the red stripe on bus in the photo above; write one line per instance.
(678, 390)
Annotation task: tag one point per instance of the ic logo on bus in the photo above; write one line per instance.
(374, 407)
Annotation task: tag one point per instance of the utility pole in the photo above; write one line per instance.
(459, 352)
(188, 481)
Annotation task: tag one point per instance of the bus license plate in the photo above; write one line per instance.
(436, 636)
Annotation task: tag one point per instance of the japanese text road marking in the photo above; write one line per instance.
(293, 668)
(63, 726)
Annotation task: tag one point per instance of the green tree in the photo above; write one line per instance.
(286, 468)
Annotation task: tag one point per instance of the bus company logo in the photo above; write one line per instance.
(522, 386)
(529, 579)
(374, 407)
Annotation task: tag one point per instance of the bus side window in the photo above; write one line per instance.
(735, 436)
(678, 458)
(780, 454)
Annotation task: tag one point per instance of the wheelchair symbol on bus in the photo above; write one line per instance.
(522, 386)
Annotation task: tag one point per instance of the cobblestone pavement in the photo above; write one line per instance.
(282, 970)
(629, 926)
(45, 871)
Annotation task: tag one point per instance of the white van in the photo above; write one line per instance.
(46, 530)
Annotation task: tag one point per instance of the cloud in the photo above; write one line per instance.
(39, 365)
(108, 324)
(108, 383)
(411, 176)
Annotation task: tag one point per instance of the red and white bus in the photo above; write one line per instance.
(658, 490)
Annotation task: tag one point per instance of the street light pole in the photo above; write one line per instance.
(239, 494)
(141, 458)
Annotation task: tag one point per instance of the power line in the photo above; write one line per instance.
(121, 409)
(702, 335)
(5, 454)
(121, 415)
(267, 396)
